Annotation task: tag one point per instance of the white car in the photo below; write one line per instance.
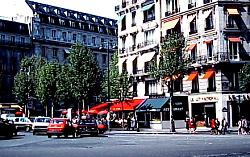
(40, 125)
(22, 123)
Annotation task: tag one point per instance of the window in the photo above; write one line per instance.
(133, 42)
(94, 41)
(123, 23)
(193, 28)
(22, 40)
(234, 48)
(150, 88)
(62, 22)
(195, 85)
(210, 50)
(54, 53)
(84, 39)
(177, 84)
(43, 32)
(133, 19)
(149, 15)
(74, 37)
(72, 24)
(231, 23)
(123, 42)
(175, 4)
(194, 53)
(191, 4)
(2, 37)
(43, 51)
(64, 36)
(51, 20)
(12, 39)
(211, 84)
(104, 59)
(54, 34)
(135, 89)
(209, 22)
(149, 37)
(207, 1)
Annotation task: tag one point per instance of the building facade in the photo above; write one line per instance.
(15, 44)
(55, 29)
(217, 45)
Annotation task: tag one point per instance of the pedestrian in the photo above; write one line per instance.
(133, 123)
(212, 125)
(128, 123)
(217, 126)
(187, 123)
(244, 126)
(192, 125)
(223, 126)
(239, 126)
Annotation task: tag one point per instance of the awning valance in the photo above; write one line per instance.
(132, 58)
(232, 11)
(208, 74)
(192, 76)
(126, 105)
(191, 18)
(121, 60)
(147, 7)
(190, 47)
(146, 57)
(152, 104)
(234, 39)
(169, 24)
(207, 13)
(207, 41)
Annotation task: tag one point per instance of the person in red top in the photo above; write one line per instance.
(212, 125)
(192, 125)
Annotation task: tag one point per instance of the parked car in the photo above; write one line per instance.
(7, 128)
(22, 123)
(40, 125)
(87, 126)
(59, 127)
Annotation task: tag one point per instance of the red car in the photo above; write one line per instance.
(61, 126)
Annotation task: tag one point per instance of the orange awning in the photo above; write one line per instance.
(192, 76)
(190, 47)
(208, 74)
(207, 41)
(128, 105)
(232, 11)
(169, 24)
(234, 39)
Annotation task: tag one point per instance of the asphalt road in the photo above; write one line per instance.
(129, 145)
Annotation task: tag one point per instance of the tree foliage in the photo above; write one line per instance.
(245, 78)
(172, 60)
(119, 83)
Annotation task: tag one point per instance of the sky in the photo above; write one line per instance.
(105, 8)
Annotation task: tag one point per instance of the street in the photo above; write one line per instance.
(129, 145)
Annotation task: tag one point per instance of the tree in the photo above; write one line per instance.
(172, 63)
(25, 79)
(119, 82)
(47, 85)
(245, 78)
(85, 73)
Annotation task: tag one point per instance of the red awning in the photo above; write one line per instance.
(103, 112)
(190, 47)
(128, 105)
(208, 74)
(234, 39)
(192, 76)
(100, 107)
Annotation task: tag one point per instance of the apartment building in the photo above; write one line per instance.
(139, 42)
(15, 44)
(55, 29)
(217, 37)
(217, 45)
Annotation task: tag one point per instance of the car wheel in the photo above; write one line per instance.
(49, 136)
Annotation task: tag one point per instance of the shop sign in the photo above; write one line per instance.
(224, 109)
(204, 99)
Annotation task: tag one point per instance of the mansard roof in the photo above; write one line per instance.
(14, 27)
(63, 13)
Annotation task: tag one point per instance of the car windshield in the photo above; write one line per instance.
(42, 120)
(89, 121)
(57, 121)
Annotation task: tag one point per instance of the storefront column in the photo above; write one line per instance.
(230, 115)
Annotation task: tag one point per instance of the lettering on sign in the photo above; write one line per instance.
(204, 99)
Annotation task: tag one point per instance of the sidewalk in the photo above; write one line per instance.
(199, 130)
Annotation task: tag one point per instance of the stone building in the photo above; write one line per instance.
(55, 29)
(217, 43)
(15, 44)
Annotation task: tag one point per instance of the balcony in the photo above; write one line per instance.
(122, 51)
(132, 48)
(209, 27)
(147, 2)
(191, 5)
(21, 45)
(193, 31)
(125, 4)
(146, 43)
(174, 11)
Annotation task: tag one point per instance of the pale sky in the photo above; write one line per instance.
(105, 8)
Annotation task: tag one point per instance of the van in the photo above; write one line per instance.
(22, 123)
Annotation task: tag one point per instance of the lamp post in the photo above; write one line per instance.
(171, 117)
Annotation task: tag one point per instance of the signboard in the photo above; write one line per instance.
(224, 109)
(199, 99)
